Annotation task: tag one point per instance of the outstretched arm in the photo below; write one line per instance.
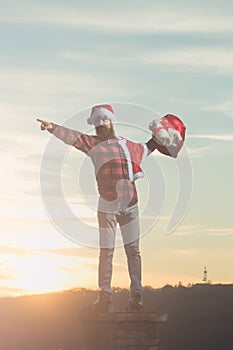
(44, 124)
(81, 141)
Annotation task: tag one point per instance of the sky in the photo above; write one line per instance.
(58, 58)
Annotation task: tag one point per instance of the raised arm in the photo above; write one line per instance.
(81, 141)
(151, 145)
(168, 134)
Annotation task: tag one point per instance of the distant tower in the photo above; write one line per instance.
(204, 279)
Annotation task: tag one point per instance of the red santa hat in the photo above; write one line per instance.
(99, 111)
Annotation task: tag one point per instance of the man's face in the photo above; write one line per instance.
(104, 128)
(103, 121)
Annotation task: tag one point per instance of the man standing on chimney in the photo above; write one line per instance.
(117, 166)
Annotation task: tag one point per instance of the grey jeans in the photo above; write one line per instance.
(128, 219)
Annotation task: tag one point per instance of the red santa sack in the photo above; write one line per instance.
(169, 134)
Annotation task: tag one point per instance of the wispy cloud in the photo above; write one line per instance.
(188, 230)
(15, 250)
(207, 58)
(75, 251)
(46, 83)
(196, 57)
(5, 291)
(51, 92)
(130, 20)
(219, 231)
(217, 137)
(182, 252)
(226, 107)
(198, 152)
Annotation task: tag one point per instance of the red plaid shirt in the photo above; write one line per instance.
(109, 160)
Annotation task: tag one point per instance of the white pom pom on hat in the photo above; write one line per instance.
(101, 111)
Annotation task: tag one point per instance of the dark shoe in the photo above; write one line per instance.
(136, 301)
(103, 302)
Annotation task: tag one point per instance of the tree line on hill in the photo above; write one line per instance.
(200, 317)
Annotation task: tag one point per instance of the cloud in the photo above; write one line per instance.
(191, 230)
(14, 250)
(6, 276)
(215, 58)
(182, 252)
(196, 57)
(6, 291)
(226, 107)
(75, 252)
(42, 84)
(199, 152)
(217, 137)
(53, 93)
(219, 231)
(132, 21)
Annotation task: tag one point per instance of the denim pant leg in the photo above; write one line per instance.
(107, 233)
(130, 230)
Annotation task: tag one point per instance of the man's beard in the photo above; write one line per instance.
(105, 133)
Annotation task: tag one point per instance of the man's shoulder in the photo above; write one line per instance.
(130, 141)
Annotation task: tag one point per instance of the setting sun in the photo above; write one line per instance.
(40, 274)
(47, 272)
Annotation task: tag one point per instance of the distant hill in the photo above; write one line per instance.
(199, 318)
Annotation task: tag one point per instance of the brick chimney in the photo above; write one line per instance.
(121, 329)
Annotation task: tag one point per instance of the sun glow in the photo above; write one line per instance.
(39, 274)
(49, 272)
